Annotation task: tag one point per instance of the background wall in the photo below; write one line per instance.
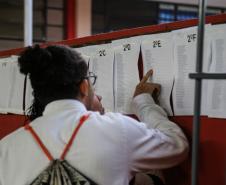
(83, 17)
(55, 20)
(216, 3)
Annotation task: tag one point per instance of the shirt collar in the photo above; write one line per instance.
(66, 104)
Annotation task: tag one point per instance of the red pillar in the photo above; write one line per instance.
(70, 19)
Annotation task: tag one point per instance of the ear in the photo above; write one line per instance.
(84, 88)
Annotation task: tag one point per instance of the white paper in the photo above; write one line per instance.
(136, 40)
(157, 54)
(29, 95)
(12, 86)
(101, 63)
(217, 88)
(15, 104)
(126, 74)
(216, 29)
(87, 51)
(185, 41)
(6, 79)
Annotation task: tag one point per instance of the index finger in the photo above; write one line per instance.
(146, 76)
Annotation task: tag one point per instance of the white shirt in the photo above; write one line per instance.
(109, 148)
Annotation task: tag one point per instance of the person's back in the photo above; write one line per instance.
(109, 148)
(98, 150)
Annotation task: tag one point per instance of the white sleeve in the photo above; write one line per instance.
(156, 142)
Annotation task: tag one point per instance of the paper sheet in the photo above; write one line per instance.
(157, 54)
(101, 63)
(5, 83)
(15, 104)
(185, 41)
(29, 96)
(217, 88)
(12, 86)
(87, 51)
(126, 74)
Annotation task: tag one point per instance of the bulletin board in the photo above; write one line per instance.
(212, 163)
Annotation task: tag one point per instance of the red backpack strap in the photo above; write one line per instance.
(36, 137)
(67, 147)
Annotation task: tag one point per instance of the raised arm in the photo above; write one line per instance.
(157, 142)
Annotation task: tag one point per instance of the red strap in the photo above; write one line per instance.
(44, 149)
(67, 147)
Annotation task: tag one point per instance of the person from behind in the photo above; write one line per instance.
(109, 148)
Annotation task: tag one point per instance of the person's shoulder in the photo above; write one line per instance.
(112, 119)
(109, 118)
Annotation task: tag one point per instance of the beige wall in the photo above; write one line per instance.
(83, 11)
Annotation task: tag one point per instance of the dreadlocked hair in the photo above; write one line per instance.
(54, 72)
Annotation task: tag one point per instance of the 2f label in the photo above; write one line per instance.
(191, 37)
